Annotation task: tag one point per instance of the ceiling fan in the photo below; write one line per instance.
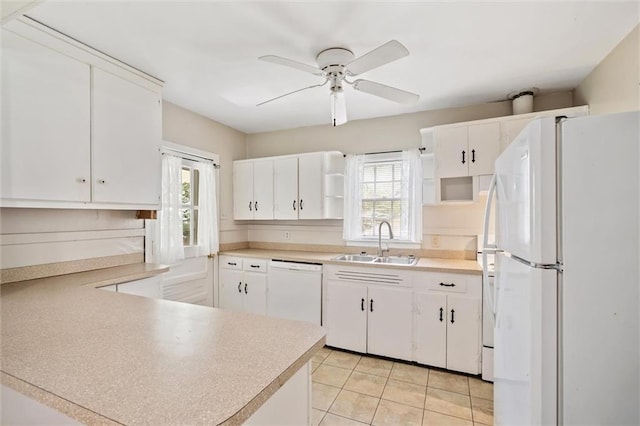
(336, 64)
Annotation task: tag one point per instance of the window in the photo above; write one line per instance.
(383, 187)
(189, 204)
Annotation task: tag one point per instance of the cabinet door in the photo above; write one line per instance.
(231, 289)
(126, 136)
(148, 287)
(263, 189)
(484, 148)
(310, 186)
(254, 289)
(346, 316)
(243, 190)
(389, 328)
(450, 146)
(512, 129)
(431, 329)
(45, 124)
(463, 334)
(285, 188)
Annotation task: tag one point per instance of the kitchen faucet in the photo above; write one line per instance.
(381, 252)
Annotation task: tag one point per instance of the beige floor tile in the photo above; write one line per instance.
(324, 352)
(394, 414)
(451, 403)
(409, 373)
(356, 406)
(342, 359)
(367, 384)
(315, 365)
(431, 418)
(375, 366)
(333, 420)
(482, 410)
(480, 388)
(316, 416)
(330, 375)
(322, 396)
(405, 393)
(449, 382)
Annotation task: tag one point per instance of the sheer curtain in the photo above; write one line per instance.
(352, 222)
(207, 210)
(169, 227)
(412, 192)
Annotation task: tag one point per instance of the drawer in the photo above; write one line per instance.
(230, 262)
(451, 283)
(255, 265)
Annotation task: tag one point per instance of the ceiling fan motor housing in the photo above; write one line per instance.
(333, 63)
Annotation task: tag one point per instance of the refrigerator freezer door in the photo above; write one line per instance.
(526, 194)
(525, 344)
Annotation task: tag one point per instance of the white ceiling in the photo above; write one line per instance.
(462, 53)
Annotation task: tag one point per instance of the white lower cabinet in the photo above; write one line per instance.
(243, 284)
(448, 321)
(368, 310)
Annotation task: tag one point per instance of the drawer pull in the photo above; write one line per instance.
(441, 310)
(447, 285)
(255, 266)
(231, 263)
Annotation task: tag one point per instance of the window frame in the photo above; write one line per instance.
(192, 206)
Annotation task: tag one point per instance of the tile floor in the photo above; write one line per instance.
(350, 389)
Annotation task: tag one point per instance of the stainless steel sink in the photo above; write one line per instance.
(397, 260)
(356, 258)
(367, 258)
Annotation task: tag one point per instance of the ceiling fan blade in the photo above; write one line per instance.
(291, 93)
(381, 55)
(386, 92)
(291, 63)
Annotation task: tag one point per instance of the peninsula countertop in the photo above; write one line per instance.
(103, 357)
(424, 263)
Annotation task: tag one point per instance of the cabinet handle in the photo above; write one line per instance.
(301, 206)
(441, 310)
(82, 180)
(239, 285)
(371, 306)
(473, 155)
(255, 205)
(102, 181)
(250, 209)
(231, 263)
(463, 161)
(255, 266)
(245, 291)
(447, 285)
(452, 314)
(362, 304)
(294, 205)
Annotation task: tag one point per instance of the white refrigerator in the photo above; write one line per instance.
(567, 275)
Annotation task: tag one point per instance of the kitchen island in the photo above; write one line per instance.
(103, 357)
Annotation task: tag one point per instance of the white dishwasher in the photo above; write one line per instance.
(295, 291)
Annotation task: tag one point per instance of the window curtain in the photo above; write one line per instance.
(169, 227)
(412, 192)
(207, 210)
(352, 222)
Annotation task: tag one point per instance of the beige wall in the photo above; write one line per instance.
(184, 127)
(614, 85)
(455, 227)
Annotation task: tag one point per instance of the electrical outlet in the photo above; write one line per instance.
(287, 235)
(435, 241)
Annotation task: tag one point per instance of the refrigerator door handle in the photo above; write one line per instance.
(489, 248)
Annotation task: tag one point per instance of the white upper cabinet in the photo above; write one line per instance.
(126, 137)
(466, 150)
(253, 189)
(79, 129)
(304, 186)
(45, 124)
